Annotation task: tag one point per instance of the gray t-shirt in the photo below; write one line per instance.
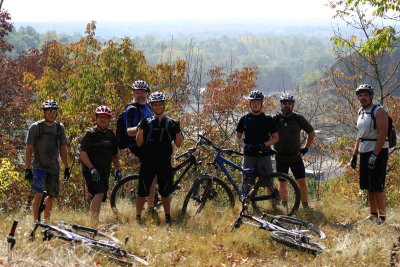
(46, 146)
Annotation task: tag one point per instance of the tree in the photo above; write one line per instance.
(367, 52)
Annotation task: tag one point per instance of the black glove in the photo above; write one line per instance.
(143, 123)
(353, 162)
(118, 176)
(95, 175)
(174, 127)
(371, 161)
(28, 175)
(303, 150)
(67, 174)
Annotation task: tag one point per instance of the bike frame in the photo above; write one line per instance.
(189, 162)
(220, 161)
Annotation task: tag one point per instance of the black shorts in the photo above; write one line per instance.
(164, 179)
(297, 168)
(373, 180)
(99, 187)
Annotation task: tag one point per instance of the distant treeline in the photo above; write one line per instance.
(283, 61)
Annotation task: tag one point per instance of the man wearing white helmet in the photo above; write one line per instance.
(155, 136)
(45, 142)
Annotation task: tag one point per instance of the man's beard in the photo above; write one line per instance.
(287, 112)
(256, 111)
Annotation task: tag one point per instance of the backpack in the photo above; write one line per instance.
(295, 117)
(41, 132)
(391, 134)
(150, 125)
(39, 137)
(123, 139)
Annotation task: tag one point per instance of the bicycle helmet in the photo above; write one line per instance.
(365, 88)
(255, 95)
(140, 85)
(103, 110)
(157, 97)
(286, 97)
(49, 104)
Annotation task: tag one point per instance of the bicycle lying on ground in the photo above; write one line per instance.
(94, 239)
(292, 232)
(123, 195)
(216, 193)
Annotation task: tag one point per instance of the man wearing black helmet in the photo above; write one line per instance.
(372, 145)
(255, 133)
(289, 153)
(155, 136)
(45, 142)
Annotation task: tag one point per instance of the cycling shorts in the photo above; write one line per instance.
(164, 179)
(262, 165)
(373, 180)
(296, 167)
(96, 187)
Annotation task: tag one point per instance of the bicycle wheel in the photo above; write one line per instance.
(210, 190)
(303, 243)
(297, 225)
(278, 195)
(91, 233)
(123, 195)
(117, 255)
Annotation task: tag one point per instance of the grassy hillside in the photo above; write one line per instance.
(208, 241)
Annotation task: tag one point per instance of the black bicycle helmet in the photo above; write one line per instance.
(50, 104)
(140, 85)
(365, 88)
(286, 97)
(157, 97)
(255, 95)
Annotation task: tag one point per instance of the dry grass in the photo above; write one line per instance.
(207, 240)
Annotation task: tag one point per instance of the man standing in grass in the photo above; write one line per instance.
(373, 146)
(45, 142)
(97, 151)
(155, 136)
(289, 152)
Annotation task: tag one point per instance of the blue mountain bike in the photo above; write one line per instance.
(266, 197)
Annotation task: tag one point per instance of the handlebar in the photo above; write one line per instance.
(208, 142)
(189, 152)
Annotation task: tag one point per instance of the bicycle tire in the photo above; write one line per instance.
(123, 195)
(211, 190)
(119, 256)
(90, 233)
(263, 200)
(302, 244)
(298, 225)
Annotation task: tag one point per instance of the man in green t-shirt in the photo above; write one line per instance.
(288, 148)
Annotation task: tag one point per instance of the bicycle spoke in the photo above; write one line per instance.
(208, 193)
(123, 196)
(279, 195)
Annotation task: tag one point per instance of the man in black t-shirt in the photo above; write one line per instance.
(259, 134)
(155, 136)
(97, 150)
(289, 153)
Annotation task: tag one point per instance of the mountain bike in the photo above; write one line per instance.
(214, 192)
(292, 232)
(123, 195)
(95, 240)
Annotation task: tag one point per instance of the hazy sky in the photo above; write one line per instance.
(155, 10)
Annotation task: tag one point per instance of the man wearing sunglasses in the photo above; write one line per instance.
(289, 151)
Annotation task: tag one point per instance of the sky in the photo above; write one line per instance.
(165, 10)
